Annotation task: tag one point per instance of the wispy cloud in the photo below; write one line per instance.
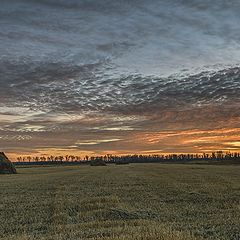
(95, 142)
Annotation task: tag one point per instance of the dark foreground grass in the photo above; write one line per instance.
(138, 201)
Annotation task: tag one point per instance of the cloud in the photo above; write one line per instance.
(75, 70)
(93, 105)
(55, 86)
(95, 142)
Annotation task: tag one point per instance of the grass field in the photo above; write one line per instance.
(136, 201)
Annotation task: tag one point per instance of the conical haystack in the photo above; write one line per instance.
(6, 165)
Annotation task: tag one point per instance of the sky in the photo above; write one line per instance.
(90, 77)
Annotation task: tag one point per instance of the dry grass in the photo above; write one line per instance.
(144, 201)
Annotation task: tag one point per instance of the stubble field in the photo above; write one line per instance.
(136, 201)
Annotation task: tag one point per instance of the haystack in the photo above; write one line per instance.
(6, 165)
(97, 162)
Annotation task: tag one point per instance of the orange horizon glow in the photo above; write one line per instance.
(150, 143)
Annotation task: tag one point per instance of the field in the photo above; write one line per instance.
(135, 201)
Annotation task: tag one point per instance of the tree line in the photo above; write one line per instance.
(136, 158)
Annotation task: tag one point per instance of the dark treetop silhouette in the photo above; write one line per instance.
(220, 156)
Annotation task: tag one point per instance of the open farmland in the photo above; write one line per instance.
(136, 201)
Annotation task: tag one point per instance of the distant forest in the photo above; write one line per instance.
(218, 156)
